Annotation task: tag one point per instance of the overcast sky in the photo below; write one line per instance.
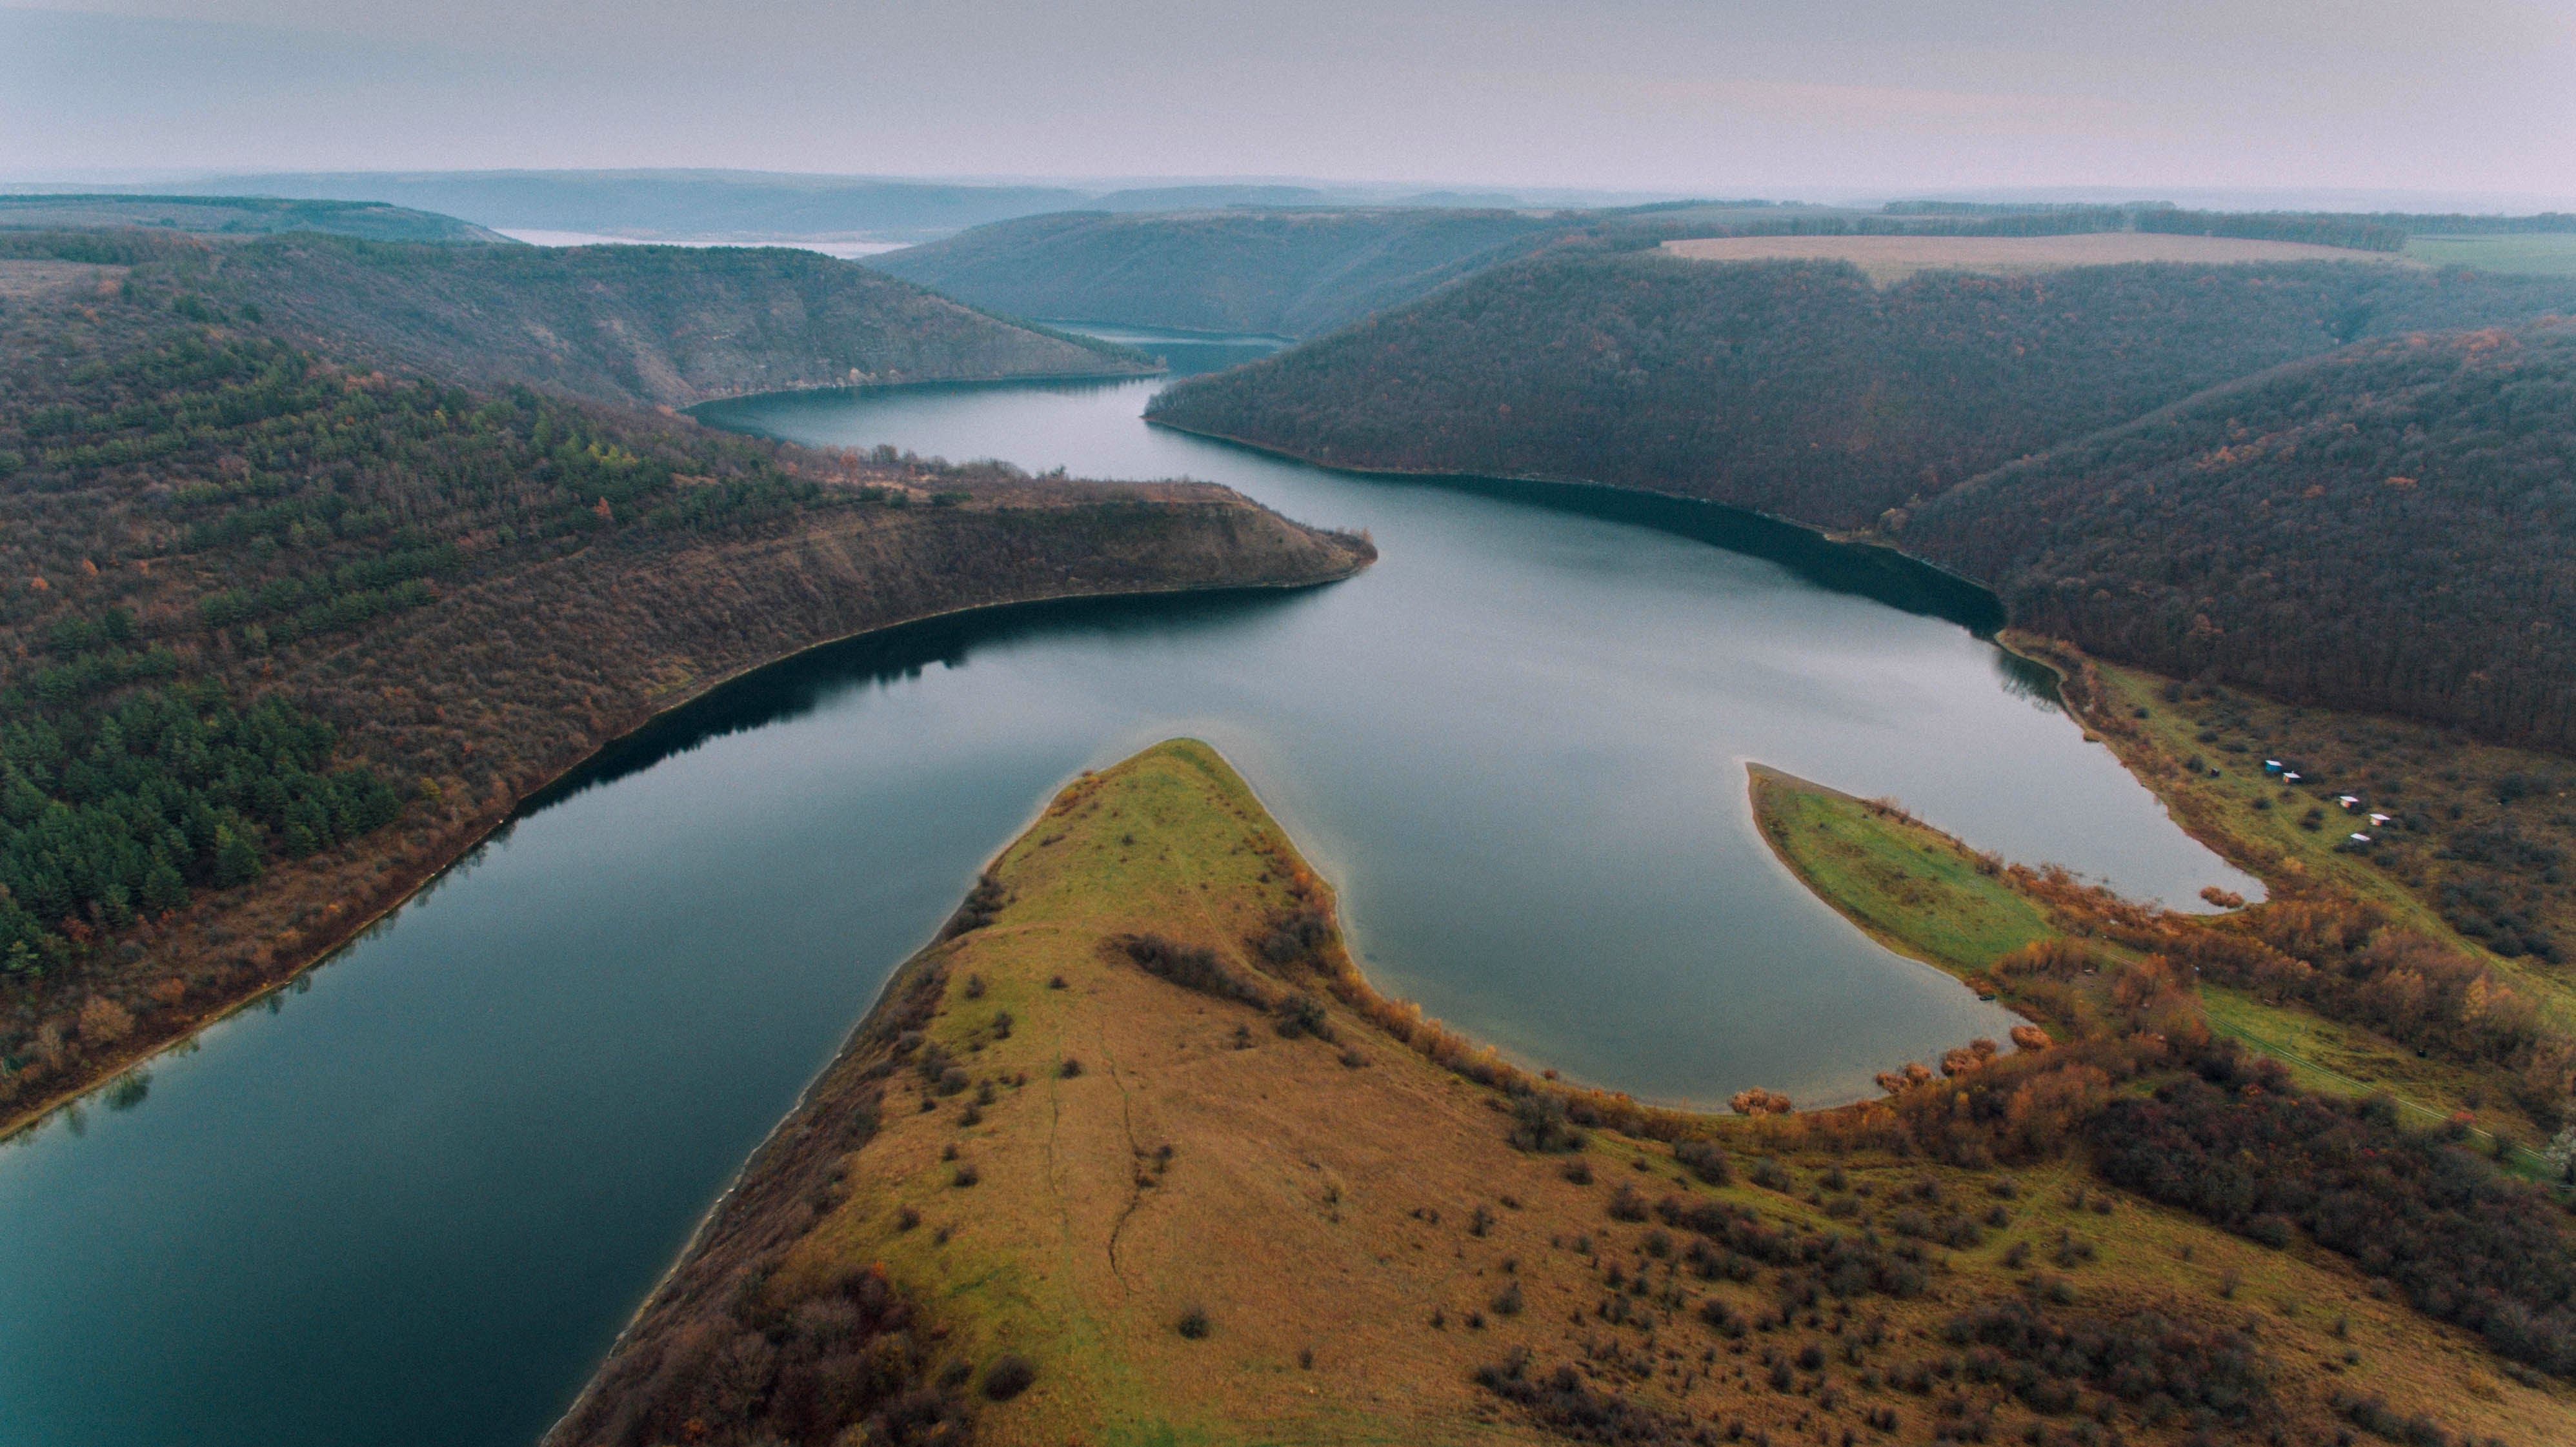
(1707, 97)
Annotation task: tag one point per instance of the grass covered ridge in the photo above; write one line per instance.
(1131, 1155)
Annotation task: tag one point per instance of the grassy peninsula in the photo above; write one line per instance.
(286, 632)
(1132, 1154)
(1992, 924)
(2463, 841)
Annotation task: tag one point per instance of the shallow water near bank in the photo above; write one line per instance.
(413, 1202)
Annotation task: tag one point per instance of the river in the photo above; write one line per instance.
(411, 1200)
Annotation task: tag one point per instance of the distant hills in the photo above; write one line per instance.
(237, 216)
(1798, 387)
(770, 205)
(1302, 271)
(696, 205)
(635, 325)
(1293, 273)
(640, 324)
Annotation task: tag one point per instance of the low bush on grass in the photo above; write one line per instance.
(1539, 1125)
(1008, 1376)
(1563, 1402)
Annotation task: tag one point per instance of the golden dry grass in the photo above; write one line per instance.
(1366, 1213)
(1887, 260)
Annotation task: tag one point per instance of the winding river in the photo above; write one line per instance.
(411, 1200)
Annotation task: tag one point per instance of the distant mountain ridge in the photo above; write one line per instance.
(1292, 273)
(768, 205)
(1797, 387)
(236, 216)
(1301, 271)
(639, 325)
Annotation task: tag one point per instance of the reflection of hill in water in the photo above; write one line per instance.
(794, 687)
(2029, 678)
(1882, 575)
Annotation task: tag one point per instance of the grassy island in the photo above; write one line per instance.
(1132, 1154)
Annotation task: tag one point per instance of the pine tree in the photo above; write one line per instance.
(236, 858)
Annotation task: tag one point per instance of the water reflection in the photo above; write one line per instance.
(1861, 570)
(795, 687)
(2028, 678)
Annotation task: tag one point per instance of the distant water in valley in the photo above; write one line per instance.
(845, 250)
(412, 1202)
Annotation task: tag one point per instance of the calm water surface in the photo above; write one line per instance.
(412, 1203)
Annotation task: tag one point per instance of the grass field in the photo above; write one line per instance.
(1913, 889)
(1890, 259)
(1198, 1229)
(2337, 1059)
(2538, 254)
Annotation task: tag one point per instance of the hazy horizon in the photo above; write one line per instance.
(1842, 99)
(149, 180)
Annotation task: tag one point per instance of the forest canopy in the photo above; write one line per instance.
(1799, 388)
(2372, 510)
(2390, 528)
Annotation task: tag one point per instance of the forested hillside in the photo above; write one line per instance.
(1301, 273)
(635, 324)
(1288, 273)
(280, 634)
(2390, 528)
(1799, 388)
